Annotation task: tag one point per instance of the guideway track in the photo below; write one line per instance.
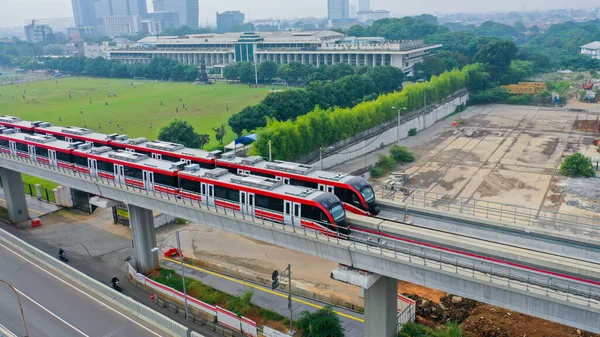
(559, 295)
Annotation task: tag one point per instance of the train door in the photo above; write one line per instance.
(322, 187)
(93, 166)
(148, 180)
(119, 173)
(31, 150)
(157, 156)
(297, 216)
(287, 212)
(247, 202)
(331, 189)
(208, 192)
(13, 147)
(52, 157)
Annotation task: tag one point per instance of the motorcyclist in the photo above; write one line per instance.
(114, 281)
(61, 253)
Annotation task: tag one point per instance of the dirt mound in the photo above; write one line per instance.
(489, 321)
(451, 309)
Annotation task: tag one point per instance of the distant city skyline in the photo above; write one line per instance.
(15, 13)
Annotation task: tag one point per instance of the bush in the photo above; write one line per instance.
(376, 172)
(577, 165)
(323, 323)
(402, 154)
(386, 163)
(412, 132)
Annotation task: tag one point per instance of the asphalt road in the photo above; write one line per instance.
(53, 307)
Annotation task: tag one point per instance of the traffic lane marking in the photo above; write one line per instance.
(51, 313)
(264, 289)
(32, 210)
(80, 291)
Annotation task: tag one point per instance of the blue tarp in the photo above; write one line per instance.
(246, 139)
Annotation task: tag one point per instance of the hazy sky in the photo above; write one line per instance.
(14, 12)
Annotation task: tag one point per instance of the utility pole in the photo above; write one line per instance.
(275, 284)
(187, 315)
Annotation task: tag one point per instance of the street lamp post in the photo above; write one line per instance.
(398, 130)
(185, 301)
(20, 305)
(321, 154)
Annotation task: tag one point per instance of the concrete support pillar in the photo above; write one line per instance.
(381, 306)
(15, 195)
(141, 221)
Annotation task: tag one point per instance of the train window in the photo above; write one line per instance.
(190, 185)
(40, 151)
(106, 166)
(80, 160)
(355, 199)
(220, 192)
(164, 179)
(262, 201)
(203, 189)
(276, 204)
(66, 157)
(3, 142)
(233, 195)
(133, 172)
(22, 147)
(287, 208)
(296, 210)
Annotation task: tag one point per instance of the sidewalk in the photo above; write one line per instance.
(264, 297)
(36, 207)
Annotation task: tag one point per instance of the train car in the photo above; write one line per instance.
(265, 198)
(75, 134)
(42, 148)
(131, 168)
(18, 124)
(166, 151)
(355, 192)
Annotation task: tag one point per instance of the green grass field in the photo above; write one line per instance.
(134, 107)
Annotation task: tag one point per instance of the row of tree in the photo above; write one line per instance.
(292, 139)
(347, 91)
(158, 68)
(294, 73)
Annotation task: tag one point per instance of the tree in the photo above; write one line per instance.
(203, 140)
(497, 55)
(386, 78)
(338, 70)
(577, 165)
(180, 132)
(250, 118)
(220, 133)
(431, 66)
(294, 72)
(267, 70)
(231, 72)
(323, 323)
(402, 154)
(246, 72)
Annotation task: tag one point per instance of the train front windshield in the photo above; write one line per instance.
(368, 194)
(338, 213)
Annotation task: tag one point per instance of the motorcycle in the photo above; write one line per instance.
(62, 256)
(115, 284)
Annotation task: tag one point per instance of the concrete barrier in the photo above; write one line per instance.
(4, 332)
(134, 308)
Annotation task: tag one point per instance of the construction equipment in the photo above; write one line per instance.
(525, 88)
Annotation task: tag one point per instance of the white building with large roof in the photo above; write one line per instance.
(591, 49)
(309, 47)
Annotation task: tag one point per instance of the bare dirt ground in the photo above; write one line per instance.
(513, 158)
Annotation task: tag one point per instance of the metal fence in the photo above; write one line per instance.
(508, 274)
(493, 210)
(45, 194)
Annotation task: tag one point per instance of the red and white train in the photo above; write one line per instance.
(260, 196)
(355, 192)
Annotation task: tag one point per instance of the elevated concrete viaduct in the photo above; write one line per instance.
(563, 299)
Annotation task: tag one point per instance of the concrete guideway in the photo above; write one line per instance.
(534, 292)
(580, 247)
(54, 306)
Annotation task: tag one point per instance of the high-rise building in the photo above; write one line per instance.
(229, 20)
(338, 9)
(364, 5)
(83, 11)
(83, 31)
(119, 25)
(35, 33)
(104, 8)
(188, 10)
(161, 21)
(353, 12)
